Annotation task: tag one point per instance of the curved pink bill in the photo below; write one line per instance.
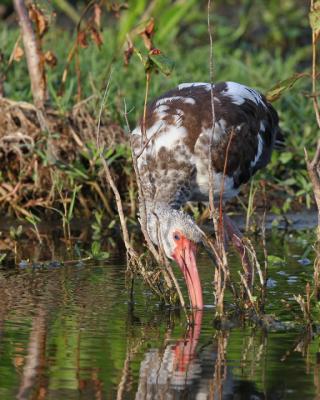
(185, 257)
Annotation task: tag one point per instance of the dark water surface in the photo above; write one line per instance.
(71, 332)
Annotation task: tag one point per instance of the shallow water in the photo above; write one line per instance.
(72, 332)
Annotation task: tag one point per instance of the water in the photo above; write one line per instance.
(71, 332)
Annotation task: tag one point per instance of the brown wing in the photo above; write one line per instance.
(178, 130)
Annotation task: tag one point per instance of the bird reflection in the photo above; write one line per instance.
(182, 371)
(174, 369)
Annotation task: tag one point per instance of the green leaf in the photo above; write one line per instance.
(286, 157)
(97, 253)
(95, 248)
(289, 182)
(276, 92)
(163, 63)
(170, 16)
(76, 189)
(275, 259)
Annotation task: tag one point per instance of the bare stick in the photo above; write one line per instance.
(222, 184)
(32, 50)
(313, 166)
(314, 71)
(110, 179)
(211, 191)
(143, 213)
(119, 205)
(221, 273)
(313, 170)
(144, 127)
(251, 298)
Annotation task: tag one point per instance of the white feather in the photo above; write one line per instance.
(259, 151)
(169, 138)
(194, 84)
(239, 93)
(218, 180)
(166, 100)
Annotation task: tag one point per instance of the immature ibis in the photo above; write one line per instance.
(172, 145)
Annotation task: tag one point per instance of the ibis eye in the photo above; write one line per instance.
(176, 236)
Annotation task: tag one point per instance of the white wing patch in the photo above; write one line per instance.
(239, 93)
(262, 126)
(166, 100)
(162, 111)
(259, 151)
(194, 84)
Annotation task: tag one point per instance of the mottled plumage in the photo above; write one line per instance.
(173, 150)
(174, 165)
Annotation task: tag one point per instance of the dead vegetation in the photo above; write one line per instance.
(27, 162)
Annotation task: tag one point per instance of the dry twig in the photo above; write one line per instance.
(130, 251)
(221, 271)
(313, 166)
(33, 55)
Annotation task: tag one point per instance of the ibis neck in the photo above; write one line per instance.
(156, 213)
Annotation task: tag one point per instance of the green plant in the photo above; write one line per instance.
(97, 225)
(34, 220)
(96, 251)
(15, 233)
